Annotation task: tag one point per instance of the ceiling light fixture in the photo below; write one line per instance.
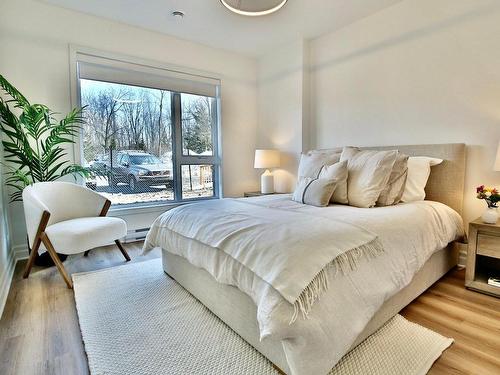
(253, 8)
(178, 14)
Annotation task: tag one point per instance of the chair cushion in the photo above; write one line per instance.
(78, 235)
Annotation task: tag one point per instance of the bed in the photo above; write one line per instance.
(314, 344)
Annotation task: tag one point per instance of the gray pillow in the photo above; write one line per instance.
(393, 192)
(311, 162)
(314, 191)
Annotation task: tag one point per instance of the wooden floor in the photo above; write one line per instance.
(471, 318)
(39, 329)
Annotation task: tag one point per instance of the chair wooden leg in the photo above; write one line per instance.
(36, 245)
(56, 260)
(86, 254)
(124, 252)
(31, 260)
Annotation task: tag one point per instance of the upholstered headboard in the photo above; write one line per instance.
(446, 182)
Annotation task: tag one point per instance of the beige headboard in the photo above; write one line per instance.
(446, 182)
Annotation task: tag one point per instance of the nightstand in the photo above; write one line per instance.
(483, 257)
(255, 194)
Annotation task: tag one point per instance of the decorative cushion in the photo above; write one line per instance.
(393, 192)
(369, 172)
(78, 235)
(311, 162)
(314, 191)
(419, 170)
(338, 172)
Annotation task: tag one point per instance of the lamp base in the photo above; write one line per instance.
(267, 182)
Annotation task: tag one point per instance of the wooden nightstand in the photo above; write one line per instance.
(255, 194)
(483, 257)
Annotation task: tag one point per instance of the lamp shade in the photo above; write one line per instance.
(496, 166)
(267, 159)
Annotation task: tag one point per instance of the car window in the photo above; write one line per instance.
(125, 160)
(144, 159)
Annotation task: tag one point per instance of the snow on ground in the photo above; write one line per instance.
(121, 194)
(153, 196)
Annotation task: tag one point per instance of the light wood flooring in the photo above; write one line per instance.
(39, 332)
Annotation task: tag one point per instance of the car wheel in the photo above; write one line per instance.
(132, 183)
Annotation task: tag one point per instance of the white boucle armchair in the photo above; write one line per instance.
(67, 218)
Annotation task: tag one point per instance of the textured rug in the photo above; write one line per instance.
(137, 321)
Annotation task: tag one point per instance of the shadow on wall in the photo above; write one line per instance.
(410, 35)
(478, 171)
(285, 177)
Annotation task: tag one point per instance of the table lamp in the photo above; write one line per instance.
(266, 159)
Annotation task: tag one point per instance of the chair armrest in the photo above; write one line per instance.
(105, 208)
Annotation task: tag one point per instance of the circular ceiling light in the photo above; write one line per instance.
(253, 8)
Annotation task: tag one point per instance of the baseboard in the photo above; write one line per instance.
(20, 252)
(15, 254)
(6, 280)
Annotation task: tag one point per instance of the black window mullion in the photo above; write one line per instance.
(177, 144)
(215, 144)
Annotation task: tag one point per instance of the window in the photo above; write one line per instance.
(150, 134)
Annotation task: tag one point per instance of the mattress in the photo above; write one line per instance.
(239, 312)
(410, 234)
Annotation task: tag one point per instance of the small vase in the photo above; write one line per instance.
(490, 216)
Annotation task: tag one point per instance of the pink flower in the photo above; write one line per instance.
(480, 189)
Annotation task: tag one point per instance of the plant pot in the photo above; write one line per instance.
(490, 216)
(44, 259)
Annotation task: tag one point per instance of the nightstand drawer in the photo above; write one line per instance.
(488, 245)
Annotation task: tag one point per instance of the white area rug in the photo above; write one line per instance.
(136, 320)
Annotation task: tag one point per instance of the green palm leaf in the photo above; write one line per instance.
(17, 97)
(33, 142)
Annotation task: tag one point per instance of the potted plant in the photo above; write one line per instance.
(33, 141)
(491, 197)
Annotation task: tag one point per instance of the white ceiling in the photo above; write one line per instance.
(209, 23)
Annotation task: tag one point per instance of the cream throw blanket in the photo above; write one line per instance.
(292, 251)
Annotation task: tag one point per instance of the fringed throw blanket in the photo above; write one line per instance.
(292, 251)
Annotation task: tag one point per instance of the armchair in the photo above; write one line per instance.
(70, 218)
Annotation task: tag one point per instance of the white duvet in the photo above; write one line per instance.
(410, 233)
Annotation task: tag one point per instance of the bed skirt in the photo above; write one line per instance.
(239, 312)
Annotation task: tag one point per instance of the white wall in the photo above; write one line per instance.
(283, 107)
(34, 56)
(421, 71)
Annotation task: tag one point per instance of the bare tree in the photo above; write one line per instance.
(101, 112)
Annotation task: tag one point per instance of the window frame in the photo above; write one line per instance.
(178, 159)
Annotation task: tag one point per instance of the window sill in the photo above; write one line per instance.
(134, 209)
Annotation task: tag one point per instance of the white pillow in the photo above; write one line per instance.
(419, 170)
(338, 172)
(312, 162)
(369, 172)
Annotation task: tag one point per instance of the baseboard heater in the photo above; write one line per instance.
(136, 235)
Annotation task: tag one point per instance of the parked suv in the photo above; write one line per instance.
(140, 169)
